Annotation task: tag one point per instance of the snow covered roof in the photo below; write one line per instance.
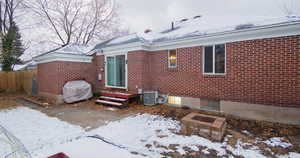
(71, 52)
(71, 49)
(199, 26)
(119, 41)
(75, 49)
(29, 65)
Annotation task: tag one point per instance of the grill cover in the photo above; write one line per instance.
(75, 91)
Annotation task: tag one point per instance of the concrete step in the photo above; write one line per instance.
(108, 102)
(113, 99)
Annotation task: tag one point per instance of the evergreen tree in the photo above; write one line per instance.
(12, 48)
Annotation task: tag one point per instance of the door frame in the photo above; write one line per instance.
(126, 70)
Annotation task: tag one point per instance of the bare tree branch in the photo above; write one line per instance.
(80, 21)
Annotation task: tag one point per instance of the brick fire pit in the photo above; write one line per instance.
(207, 126)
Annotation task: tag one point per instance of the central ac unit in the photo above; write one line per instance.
(150, 98)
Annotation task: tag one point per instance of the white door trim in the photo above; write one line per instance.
(126, 71)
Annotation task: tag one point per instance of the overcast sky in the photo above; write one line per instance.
(141, 14)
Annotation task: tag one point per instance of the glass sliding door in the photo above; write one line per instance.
(111, 66)
(116, 71)
(120, 68)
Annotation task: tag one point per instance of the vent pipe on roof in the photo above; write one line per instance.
(197, 16)
(147, 30)
(172, 25)
(183, 20)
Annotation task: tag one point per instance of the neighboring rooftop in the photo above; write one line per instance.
(199, 26)
(29, 65)
(131, 38)
(71, 52)
(75, 49)
(72, 49)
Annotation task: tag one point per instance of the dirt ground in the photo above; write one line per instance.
(85, 114)
(235, 127)
(89, 115)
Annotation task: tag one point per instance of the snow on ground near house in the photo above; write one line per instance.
(277, 141)
(44, 136)
(87, 148)
(137, 131)
(35, 129)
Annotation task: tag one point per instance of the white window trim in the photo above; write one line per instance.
(203, 60)
(169, 64)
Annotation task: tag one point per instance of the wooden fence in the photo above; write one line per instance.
(20, 81)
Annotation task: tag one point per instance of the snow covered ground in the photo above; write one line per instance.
(145, 135)
(140, 131)
(44, 136)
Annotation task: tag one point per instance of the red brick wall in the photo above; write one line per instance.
(100, 67)
(265, 71)
(52, 76)
(138, 70)
(48, 78)
(262, 71)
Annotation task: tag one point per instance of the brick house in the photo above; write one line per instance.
(245, 69)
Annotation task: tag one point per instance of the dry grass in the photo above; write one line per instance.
(7, 104)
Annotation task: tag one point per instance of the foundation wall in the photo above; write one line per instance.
(286, 115)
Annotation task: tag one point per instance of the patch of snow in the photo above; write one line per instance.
(87, 148)
(111, 109)
(215, 24)
(137, 131)
(277, 141)
(24, 66)
(203, 26)
(246, 132)
(291, 155)
(122, 39)
(74, 48)
(44, 136)
(19, 67)
(35, 129)
(247, 153)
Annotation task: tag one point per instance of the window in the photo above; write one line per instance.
(174, 100)
(172, 58)
(214, 59)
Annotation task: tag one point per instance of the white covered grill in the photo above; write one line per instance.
(75, 91)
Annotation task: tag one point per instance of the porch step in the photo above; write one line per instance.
(116, 94)
(108, 102)
(113, 99)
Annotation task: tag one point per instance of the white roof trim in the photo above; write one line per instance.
(62, 57)
(279, 30)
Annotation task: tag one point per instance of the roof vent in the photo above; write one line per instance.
(172, 25)
(197, 16)
(147, 30)
(183, 20)
(244, 26)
